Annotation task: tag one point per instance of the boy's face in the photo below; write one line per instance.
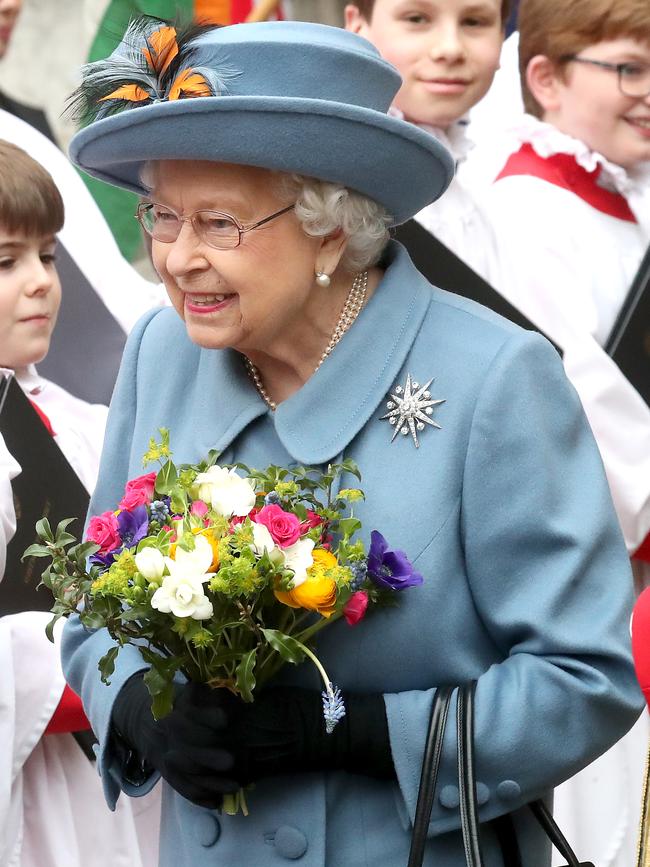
(30, 295)
(446, 51)
(591, 107)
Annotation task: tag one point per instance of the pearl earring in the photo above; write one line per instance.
(322, 279)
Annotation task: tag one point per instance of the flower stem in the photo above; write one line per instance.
(317, 663)
(310, 631)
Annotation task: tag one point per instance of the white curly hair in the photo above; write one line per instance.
(323, 207)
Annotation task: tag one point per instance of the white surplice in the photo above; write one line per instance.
(569, 269)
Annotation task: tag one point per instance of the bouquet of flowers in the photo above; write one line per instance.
(222, 573)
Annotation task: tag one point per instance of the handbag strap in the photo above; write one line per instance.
(429, 775)
(466, 777)
(467, 788)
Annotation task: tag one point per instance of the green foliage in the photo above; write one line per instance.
(157, 450)
(245, 676)
(166, 479)
(289, 649)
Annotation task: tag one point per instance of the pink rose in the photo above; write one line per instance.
(104, 531)
(355, 608)
(138, 492)
(312, 520)
(283, 526)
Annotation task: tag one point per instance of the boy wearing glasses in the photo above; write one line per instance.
(571, 209)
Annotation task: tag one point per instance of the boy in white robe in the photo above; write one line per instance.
(447, 52)
(571, 206)
(571, 209)
(52, 810)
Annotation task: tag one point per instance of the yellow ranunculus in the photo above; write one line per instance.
(318, 591)
(322, 560)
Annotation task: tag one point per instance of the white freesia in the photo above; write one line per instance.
(227, 493)
(299, 558)
(150, 563)
(181, 592)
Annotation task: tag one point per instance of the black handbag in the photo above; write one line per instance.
(470, 828)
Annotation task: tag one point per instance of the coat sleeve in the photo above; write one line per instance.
(550, 580)
(82, 648)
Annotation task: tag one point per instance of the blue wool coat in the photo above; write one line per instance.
(504, 510)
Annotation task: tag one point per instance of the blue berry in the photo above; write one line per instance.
(272, 499)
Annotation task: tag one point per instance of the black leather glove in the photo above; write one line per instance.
(211, 743)
(191, 747)
(283, 731)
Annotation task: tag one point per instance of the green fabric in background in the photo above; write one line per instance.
(118, 206)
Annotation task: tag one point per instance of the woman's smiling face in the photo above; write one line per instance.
(246, 297)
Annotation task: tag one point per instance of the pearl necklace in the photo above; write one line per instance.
(351, 309)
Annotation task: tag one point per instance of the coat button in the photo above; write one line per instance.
(449, 797)
(207, 829)
(290, 842)
(508, 791)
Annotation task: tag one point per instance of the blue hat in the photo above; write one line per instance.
(287, 96)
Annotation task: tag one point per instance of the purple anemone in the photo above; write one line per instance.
(389, 569)
(133, 526)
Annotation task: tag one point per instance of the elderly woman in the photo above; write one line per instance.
(270, 173)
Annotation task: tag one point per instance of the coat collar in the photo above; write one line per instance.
(318, 422)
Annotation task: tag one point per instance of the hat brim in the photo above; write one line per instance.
(391, 161)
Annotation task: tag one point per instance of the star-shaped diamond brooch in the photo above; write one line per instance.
(410, 409)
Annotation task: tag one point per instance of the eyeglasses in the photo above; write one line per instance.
(633, 76)
(216, 229)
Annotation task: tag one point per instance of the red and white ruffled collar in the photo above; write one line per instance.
(546, 140)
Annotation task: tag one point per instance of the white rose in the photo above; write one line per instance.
(227, 492)
(183, 596)
(299, 558)
(150, 563)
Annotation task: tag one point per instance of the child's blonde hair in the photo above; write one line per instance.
(559, 29)
(30, 203)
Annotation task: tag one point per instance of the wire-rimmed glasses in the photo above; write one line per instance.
(217, 229)
(633, 75)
